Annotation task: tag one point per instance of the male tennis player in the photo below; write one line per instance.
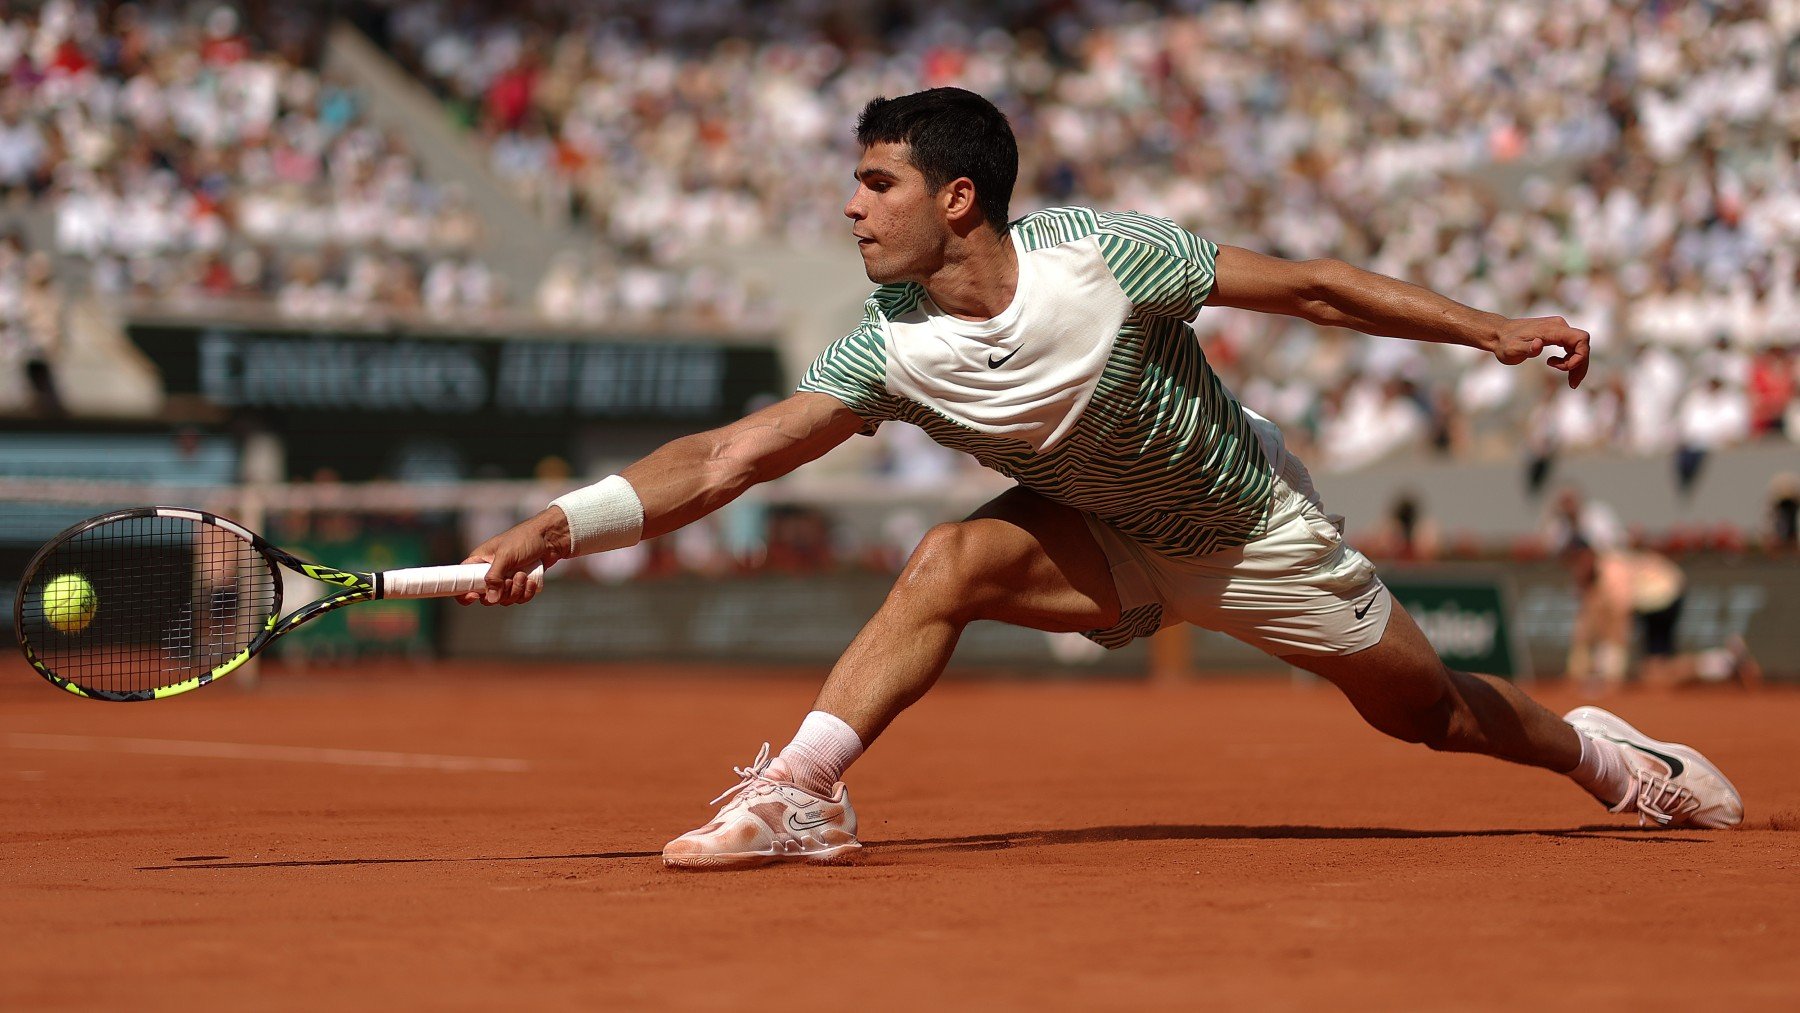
(1055, 349)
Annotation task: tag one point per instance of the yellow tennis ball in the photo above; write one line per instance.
(70, 603)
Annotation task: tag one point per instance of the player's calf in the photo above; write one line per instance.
(1440, 725)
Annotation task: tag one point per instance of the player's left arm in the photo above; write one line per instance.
(1334, 294)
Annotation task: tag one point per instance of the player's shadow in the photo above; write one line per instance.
(1016, 839)
(1279, 832)
(210, 861)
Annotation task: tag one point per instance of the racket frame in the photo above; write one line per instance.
(352, 586)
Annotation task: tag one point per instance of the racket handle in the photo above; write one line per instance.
(440, 581)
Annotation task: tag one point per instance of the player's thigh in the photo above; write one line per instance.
(1401, 674)
(1036, 564)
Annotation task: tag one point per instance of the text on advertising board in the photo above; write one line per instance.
(328, 373)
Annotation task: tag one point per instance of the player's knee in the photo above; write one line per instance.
(943, 559)
(1455, 733)
(949, 568)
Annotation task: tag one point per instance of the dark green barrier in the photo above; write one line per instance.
(388, 628)
(1467, 620)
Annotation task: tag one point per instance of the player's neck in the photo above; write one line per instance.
(978, 278)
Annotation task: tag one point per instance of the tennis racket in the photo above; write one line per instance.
(151, 602)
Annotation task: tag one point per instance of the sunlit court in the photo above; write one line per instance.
(899, 504)
(489, 834)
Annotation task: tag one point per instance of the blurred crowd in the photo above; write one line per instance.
(184, 160)
(1632, 166)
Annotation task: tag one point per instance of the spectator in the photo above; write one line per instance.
(1407, 533)
(23, 151)
(1711, 417)
(1655, 379)
(1576, 519)
(1773, 388)
(31, 325)
(308, 294)
(1784, 512)
(1372, 420)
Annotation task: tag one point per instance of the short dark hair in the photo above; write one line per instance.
(952, 133)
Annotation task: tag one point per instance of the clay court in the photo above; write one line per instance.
(480, 838)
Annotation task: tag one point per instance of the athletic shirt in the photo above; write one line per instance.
(1089, 389)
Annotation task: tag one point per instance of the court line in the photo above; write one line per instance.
(245, 751)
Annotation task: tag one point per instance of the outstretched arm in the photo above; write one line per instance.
(1334, 294)
(679, 483)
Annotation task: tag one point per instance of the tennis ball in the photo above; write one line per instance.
(69, 603)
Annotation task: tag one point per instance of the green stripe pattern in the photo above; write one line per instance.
(1163, 452)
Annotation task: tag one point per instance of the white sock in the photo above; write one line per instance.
(1602, 769)
(822, 750)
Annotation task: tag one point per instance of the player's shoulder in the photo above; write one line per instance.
(1054, 227)
(890, 302)
(1135, 226)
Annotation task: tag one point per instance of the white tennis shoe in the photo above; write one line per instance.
(769, 819)
(1671, 784)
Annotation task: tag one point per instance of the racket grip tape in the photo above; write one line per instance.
(440, 581)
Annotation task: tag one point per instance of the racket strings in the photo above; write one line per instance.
(168, 599)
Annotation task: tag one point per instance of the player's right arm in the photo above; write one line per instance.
(1334, 294)
(679, 483)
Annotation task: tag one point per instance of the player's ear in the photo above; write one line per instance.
(958, 201)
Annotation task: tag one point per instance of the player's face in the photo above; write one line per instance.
(899, 223)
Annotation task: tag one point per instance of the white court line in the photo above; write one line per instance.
(241, 751)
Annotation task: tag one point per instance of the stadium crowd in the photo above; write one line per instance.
(1635, 167)
(183, 160)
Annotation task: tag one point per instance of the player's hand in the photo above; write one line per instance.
(514, 553)
(1526, 337)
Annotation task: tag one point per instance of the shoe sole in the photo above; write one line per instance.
(839, 854)
(1618, 728)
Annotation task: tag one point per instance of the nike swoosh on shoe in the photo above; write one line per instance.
(1676, 767)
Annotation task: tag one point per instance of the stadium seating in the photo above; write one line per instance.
(1579, 159)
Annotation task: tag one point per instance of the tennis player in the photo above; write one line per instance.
(1056, 350)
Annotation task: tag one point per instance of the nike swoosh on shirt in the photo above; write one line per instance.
(1367, 605)
(994, 363)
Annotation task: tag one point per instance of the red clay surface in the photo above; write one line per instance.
(1029, 846)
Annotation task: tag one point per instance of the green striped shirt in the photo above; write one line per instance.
(1090, 389)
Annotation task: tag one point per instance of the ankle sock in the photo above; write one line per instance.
(1602, 769)
(822, 750)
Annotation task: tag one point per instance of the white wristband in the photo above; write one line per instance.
(605, 515)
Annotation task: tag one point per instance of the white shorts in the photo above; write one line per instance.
(1298, 589)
